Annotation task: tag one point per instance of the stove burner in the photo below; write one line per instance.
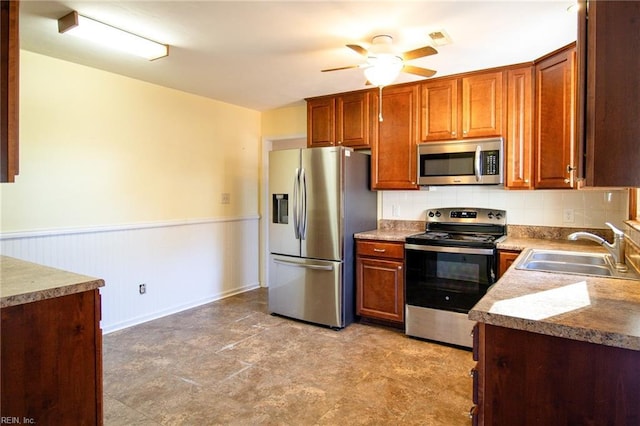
(437, 235)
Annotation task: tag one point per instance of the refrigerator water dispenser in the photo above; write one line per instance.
(280, 208)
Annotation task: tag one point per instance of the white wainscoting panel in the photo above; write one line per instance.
(183, 264)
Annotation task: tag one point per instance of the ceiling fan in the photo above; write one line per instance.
(384, 63)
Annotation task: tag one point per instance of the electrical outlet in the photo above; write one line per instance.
(225, 198)
(142, 288)
(567, 216)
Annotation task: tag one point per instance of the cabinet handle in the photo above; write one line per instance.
(377, 250)
(472, 412)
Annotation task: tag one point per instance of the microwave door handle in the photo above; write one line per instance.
(476, 163)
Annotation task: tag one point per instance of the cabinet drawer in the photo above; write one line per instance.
(380, 249)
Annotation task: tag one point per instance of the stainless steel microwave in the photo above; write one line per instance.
(465, 162)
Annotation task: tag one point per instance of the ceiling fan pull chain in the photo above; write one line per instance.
(380, 104)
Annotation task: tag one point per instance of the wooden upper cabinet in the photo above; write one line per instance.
(519, 134)
(321, 122)
(555, 98)
(439, 110)
(460, 108)
(393, 152)
(352, 120)
(9, 82)
(482, 105)
(608, 48)
(340, 120)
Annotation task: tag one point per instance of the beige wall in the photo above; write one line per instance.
(285, 122)
(98, 149)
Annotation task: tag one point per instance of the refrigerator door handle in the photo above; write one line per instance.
(296, 190)
(304, 265)
(303, 208)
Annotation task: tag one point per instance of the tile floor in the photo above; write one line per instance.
(231, 363)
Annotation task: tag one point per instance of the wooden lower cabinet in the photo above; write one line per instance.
(524, 378)
(52, 361)
(380, 280)
(505, 260)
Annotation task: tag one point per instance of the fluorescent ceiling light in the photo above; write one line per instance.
(111, 37)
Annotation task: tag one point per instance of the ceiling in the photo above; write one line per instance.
(268, 54)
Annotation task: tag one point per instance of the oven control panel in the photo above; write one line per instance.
(467, 215)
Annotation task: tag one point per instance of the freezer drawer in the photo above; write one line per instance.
(307, 289)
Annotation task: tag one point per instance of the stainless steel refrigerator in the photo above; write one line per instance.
(319, 198)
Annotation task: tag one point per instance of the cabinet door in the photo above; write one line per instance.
(52, 360)
(505, 260)
(393, 155)
(380, 289)
(9, 82)
(482, 105)
(612, 92)
(352, 120)
(519, 136)
(554, 120)
(439, 110)
(321, 122)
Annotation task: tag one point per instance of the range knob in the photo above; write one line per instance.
(431, 214)
(498, 215)
(438, 214)
(490, 215)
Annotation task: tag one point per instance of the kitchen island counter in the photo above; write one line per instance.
(24, 282)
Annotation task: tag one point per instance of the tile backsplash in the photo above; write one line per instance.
(564, 208)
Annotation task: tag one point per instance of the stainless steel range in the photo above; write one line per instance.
(449, 268)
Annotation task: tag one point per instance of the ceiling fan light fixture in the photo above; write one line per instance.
(112, 37)
(383, 69)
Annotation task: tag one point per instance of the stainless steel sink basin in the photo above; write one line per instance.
(570, 257)
(569, 262)
(571, 268)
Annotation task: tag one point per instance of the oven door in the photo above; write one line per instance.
(448, 278)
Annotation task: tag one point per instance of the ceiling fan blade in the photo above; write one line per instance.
(418, 71)
(358, 49)
(341, 68)
(419, 53)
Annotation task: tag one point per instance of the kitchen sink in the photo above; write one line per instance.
(570, 257)
(569, 262)
(571, 268)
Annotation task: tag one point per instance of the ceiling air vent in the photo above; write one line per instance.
(440, 38)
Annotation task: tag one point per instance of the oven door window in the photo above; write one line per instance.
(450, 281)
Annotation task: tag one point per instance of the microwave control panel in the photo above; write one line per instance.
(490, 162)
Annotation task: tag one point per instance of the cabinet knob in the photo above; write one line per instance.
(453, 133)
(464, 133)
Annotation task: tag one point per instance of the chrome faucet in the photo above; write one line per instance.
(616, 249)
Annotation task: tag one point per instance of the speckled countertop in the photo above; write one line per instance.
(24, 282)
(592, 309)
